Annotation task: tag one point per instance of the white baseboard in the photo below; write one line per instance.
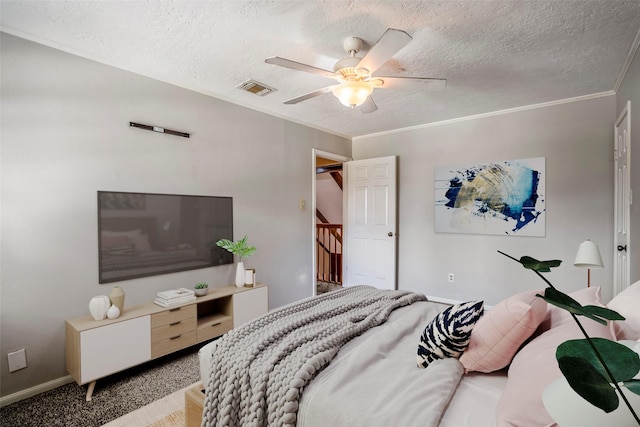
(451, 301)
(443, 300)
(33, 391)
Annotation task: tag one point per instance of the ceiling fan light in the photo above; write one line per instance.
(352, 93)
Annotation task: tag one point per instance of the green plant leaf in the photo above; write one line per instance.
(560, 299)
(585, 380)
(602, 312)
(240, 248)
(623, 362)
(225, 244)
(539, 266)
(564, 301)
(633, 386)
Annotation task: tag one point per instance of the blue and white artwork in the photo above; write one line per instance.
(503, 198)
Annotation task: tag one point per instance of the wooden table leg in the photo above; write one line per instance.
(92, 385)
(193, 403)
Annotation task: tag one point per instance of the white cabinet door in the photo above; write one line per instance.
(112, 348)
(248, 305)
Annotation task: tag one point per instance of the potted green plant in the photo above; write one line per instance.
(597, 369)
(201, 289)
(242, 249)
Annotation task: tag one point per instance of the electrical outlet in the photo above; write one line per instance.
(450, 277)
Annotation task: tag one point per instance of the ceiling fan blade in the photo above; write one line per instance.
(287, 63)
(368, 106)
(389, 44)
(411, 83)
(309, 95)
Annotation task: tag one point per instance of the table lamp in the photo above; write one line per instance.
(588, 257)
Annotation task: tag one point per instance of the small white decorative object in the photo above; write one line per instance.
(250, 277)
(240, 275)
(113, 312)
(98, 307)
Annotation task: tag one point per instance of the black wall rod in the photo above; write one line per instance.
(159, 129)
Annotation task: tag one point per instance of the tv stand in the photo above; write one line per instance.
(98, 348)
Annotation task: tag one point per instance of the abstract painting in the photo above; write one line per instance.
(503, 198)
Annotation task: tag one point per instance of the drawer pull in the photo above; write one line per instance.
(174, 309)
(216, 324)
(175, 323)
(175, 338)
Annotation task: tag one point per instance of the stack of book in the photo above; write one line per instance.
(175, 297)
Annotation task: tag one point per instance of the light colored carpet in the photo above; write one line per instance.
(165, 412)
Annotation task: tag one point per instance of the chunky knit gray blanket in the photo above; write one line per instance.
(259, 370)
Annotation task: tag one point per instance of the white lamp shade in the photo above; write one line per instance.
(588, 255)
(352, 93)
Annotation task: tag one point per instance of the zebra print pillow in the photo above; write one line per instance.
(449, 333)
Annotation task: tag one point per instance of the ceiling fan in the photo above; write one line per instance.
(355, 76)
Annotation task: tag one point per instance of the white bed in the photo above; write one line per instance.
(373, 379)
(378, 371)
(383, 361)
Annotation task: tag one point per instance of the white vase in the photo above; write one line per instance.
(240, 275)
(113, 312)
(98, 307)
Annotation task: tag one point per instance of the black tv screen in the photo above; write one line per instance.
(145, 234)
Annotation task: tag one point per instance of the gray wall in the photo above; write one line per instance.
(65, 134)
(630, 91)
(575, 138)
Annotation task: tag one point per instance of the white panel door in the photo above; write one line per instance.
(112, 348)
(370, 229)
(622, 194)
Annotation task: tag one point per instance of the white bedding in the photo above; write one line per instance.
(374, 381)
(474, 403)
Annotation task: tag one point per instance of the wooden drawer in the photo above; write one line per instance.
(173, 315)
(174, 329)
(172, 344)
(214, 326)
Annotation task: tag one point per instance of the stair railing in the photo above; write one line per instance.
(329, 253)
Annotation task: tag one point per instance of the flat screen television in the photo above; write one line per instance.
(146, 234)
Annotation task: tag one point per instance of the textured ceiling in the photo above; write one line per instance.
(495, 55)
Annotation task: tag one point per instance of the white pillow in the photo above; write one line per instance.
(627, 303)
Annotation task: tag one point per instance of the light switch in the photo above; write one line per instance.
(17, 360)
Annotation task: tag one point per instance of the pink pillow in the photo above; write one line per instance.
(627, 303)
(535, 366)
(501, 331)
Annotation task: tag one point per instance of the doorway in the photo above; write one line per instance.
(328, 213)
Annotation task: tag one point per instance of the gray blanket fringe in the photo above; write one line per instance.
(259, 370)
